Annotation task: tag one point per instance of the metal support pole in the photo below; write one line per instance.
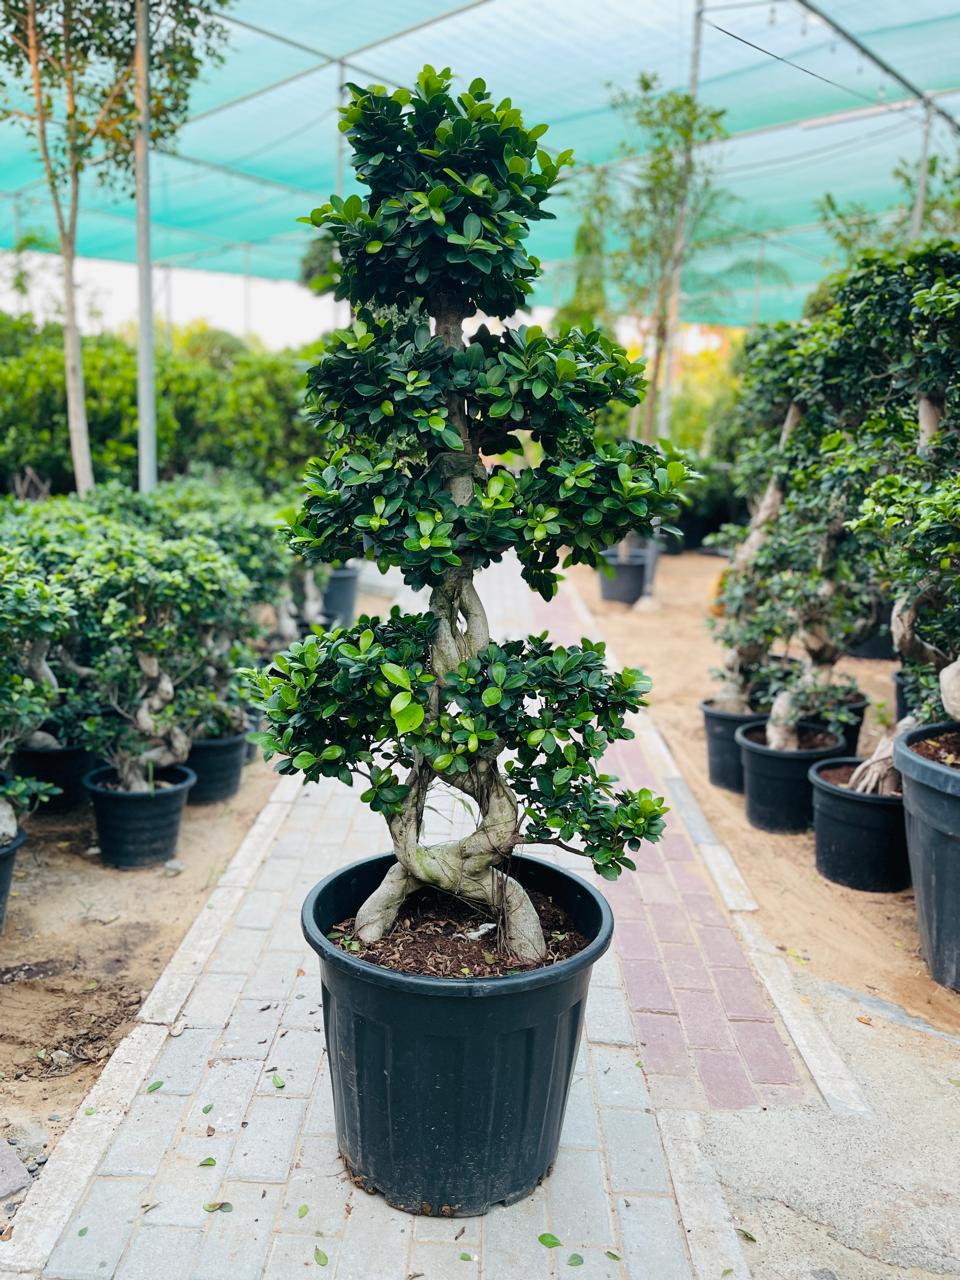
(246, 291)
(341, 315)
(919, 204)
(673, 320)
(146, 387)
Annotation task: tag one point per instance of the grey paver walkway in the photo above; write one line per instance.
(677, 1023)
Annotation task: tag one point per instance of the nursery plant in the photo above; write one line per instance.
(406, 411)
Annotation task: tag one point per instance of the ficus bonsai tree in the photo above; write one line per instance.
(404, 410)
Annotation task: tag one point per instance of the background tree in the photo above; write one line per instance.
(68, 80)
(403, 410)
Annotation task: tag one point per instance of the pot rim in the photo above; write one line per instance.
(918, 768)
(229, 740)
(10, 848)
(93, 786)
(859, 797)
(761, 748)
(457, 988)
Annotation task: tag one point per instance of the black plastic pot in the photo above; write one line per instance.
(880, 645)
(64, 767)
(931, 799)
(850, 732)
(629, 576)
(776, 784)
(8, 854)
(449, 1095)
(724, 765)
(861, 841)
(139, 828)
(900, 694)
(218, 765)
(340, 595)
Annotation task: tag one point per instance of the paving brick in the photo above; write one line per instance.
(684, 967)
(236, 952)
(295, 1057)
(741, 994)
(634, 1158)
(662, 1044)
(703, 908)
(649, 858)
(213, 999)
(259, 909)
(676, 847)
(320, 1119)
(184, 1059)
(428, 1258)
(227, 1089)
(264, 1150)
(652, 1240)
(764, 1053)
(279, 874)
(688, 877)
(657, 888)
(295, 1255)
(625, 899)
(606, 972)
(608, 1018)
(635, 941)
(647, 986)
(303, 1007)
(182, 1187)
(724, 1079)
(676, 1093)
(376, 1240)
(106, 1216)
(286, 936)
(160, 1251)
(703, 1020)
(577, 1197)
(145, 1135)
(670, 923)
(721, 947)
(510, 1245)
(236, 1244)
(462, 1231)
(271, 978)
(251, 1030)
(618, 1078)
(319, 1181)
(580, 1118)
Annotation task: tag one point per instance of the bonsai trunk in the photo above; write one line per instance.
(469, 867)
(73, 370)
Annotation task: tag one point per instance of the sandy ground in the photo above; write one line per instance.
(864, 942)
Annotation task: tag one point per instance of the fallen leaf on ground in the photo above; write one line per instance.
(549, 1241)
(152, 1088)
(745, 1234)
(867, 1022)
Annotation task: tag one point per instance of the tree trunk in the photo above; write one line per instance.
(653, 390)
(468, 867)
(76, 398)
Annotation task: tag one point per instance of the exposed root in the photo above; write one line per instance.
(378, 914)
(877, 776)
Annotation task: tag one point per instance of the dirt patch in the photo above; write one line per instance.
(432, 939)
(943, 749)
(863, 941)
(83, 945)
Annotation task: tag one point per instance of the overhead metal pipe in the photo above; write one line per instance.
(146, 385)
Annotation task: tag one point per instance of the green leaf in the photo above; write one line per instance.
(410, 718)
(399, 701)
(277, 1081)
(472, 226)
(304, 760)
(374, 246)
(207, 1164)
(742, 1231)
(207, 1109)
(491, 696)
(539, 389)
(465, 1257)
(396, 675)
(82, 1232)
(319, 1257)
(303, 1211)
(615, 1257)
(89, 1111)
(152, 1088)
(549, 1241)
(575, 1260)
(218, 1206)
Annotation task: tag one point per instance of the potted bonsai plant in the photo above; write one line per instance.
(449, 1091)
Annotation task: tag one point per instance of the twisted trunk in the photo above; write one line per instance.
(468, 867)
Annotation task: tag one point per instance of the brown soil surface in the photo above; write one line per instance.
(944, 749)
(430, 939)
(808, 739)
(862, 941)
(839, 775)
(84, 943)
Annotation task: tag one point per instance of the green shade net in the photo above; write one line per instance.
(261, 145)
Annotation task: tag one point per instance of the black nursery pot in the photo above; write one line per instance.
(218, 765)
(139, 828)
(724, 765)
(931, 800)
(850, 732)
(776, 784)
(64, 767)
(629, 575)
(449, 1095)
(8, 853)
(900, 694)
(861, 841)
(340, 595)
